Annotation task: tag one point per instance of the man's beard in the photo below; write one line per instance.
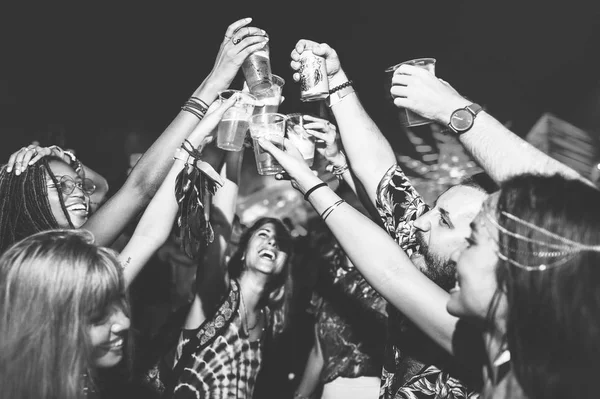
(439, 270)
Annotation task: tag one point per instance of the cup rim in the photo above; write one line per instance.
(233, 91)
(284, 116)
(394, 67)
(272, 81)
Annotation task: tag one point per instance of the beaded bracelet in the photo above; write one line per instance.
(315, 187)
(340, 87)
(328, 211)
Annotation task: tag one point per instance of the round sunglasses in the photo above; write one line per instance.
(67, 185)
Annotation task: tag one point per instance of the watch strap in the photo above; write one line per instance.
(474, 108)
(338, 95)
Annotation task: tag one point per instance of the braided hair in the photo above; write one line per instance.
(24, 205)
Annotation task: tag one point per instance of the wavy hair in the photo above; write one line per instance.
(281, 286)
(553, 316)
(53, 286)
(24, 205)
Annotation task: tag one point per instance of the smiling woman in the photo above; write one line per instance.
(63, 315)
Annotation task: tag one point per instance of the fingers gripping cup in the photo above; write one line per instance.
(270, 126)
(257, 69)
(233, 126)
(314, 85)
(300, 137)
(269, 95)
(407, 117)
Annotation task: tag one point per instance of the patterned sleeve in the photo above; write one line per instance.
(399, 205)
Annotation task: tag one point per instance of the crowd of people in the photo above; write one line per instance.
(488, 292)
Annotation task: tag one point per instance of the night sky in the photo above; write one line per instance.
(93, 71)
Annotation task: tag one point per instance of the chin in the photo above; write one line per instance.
(110, 359)
(454, 305)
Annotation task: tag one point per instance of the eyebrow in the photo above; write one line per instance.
(446, 217)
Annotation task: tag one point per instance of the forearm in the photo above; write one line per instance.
(503, 154)
(369, 153)
(312, 372)
(388, 269)
(151, 169)
(153, 228)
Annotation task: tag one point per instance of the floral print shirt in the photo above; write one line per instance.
(414, 367)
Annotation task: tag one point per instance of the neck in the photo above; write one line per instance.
(252, 287)
(495, 340)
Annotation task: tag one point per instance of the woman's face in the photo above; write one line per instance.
(263, 253)
(476, 269)
(108, 337)
(76, 203)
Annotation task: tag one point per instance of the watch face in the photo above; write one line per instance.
(461, 120)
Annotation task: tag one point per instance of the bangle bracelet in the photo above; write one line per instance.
(328, 211)
(203, 103)
(310, 191)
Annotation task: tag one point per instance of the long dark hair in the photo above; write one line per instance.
(281, 286)
(24, 205)
(553, 316)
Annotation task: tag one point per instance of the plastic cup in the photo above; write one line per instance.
(300, 137)
(270, 126)
(408, 118)
(269, 95)
(257, 69)
(232, 128)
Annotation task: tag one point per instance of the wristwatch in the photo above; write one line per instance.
(462, 119)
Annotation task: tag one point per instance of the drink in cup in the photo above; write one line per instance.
(407, 117)
(270, 95)
(314, 85)
(270, 126)
(232, 128)
(300, 137)
(257, 69)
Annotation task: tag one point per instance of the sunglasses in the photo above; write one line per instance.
(67, 185)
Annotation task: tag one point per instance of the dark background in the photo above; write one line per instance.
(91, 71)
(84, 75)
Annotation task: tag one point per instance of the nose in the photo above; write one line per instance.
(120, 322)
(272, 241)
(423, 222)
(78, 191)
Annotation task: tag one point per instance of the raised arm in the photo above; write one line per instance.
(326, 137)
(145, 179)
(157, 221)
(380, 260)
(499, 151)
(369, 153)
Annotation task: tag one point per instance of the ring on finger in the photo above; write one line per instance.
(236, 41)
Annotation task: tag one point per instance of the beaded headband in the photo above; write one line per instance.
(560, 253)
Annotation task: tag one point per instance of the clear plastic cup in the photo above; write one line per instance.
(232, 128)
(407, 117)
(300, 137)
(257, 69)
(270, 126)
(269, 95)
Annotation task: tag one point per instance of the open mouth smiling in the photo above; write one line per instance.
(267, 254)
